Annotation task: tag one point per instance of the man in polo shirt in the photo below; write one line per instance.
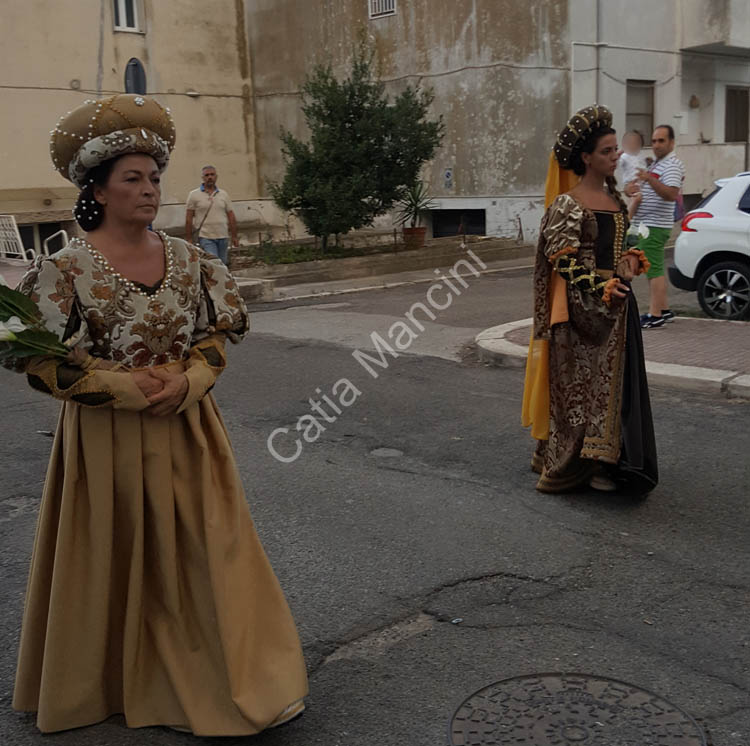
(659, 186)
(211, 207)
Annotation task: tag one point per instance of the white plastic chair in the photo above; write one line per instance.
(45, 245)
(11, 246)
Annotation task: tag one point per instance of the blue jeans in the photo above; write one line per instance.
(216, 246)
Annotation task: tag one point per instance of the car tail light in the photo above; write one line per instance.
(692, 216)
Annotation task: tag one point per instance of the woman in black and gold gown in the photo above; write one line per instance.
(586, 396)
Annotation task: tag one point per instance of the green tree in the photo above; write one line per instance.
(363, 153)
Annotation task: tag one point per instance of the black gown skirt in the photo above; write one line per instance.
(637, 469)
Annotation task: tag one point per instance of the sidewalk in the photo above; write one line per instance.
(696, 354)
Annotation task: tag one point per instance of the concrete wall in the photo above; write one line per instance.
(641, 41)
(506, 75)
(499, 71)
(715, 23)
(706, 163)
(55, 58)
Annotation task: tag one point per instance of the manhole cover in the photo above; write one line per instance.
(558, 709)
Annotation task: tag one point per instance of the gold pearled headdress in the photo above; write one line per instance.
(100, 130)
(580, 125)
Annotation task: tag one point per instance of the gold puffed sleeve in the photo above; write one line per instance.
(85, 384)
(204, 365)
(562, 240)
(562, 227)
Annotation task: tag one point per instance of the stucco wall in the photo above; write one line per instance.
(715, 22)
(706, 163)
(498, 69)
(188, 45)
(506, 75)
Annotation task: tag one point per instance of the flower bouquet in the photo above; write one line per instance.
(635, 234)
(22, 330)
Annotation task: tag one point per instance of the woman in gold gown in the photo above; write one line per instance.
(149, 594)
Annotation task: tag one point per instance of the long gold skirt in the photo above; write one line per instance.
(150, 594)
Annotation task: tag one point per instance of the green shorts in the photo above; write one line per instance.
(653, 248)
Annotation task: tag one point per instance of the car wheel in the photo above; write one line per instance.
(724, 291)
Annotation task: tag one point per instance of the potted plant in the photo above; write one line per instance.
(416, 200)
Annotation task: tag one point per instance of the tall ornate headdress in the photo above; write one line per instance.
(99, 130)
(578, 128)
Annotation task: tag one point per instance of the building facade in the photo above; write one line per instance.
(499, 70)
(506, 75)
(191, 56)
(685, 63)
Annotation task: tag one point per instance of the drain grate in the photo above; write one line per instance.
(568, 709)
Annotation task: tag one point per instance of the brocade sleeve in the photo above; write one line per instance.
(85, 384)
(221, 308)
(50, 283)
(206, 362)
(562, 236)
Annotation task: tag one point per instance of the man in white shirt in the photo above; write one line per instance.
(659, 186)
(212, 208)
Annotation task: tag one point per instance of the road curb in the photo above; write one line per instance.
(739, 387)
(255, 290)
(386, 262)
(495, 349)
(279, 296)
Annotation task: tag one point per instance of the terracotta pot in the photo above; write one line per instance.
(414, 237)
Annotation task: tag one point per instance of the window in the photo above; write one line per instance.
(380, 8)
(744, 204)
(126, 15)
(736, 115)
(639, 107)
(135, 77)
(458, 222)
(707, 198)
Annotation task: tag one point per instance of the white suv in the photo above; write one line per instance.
(712, 253)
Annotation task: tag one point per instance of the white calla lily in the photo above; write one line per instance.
(15, 324)
(643, 230)
(10, 328)
(6, 335)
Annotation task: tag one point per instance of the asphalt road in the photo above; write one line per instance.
(416, 508)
